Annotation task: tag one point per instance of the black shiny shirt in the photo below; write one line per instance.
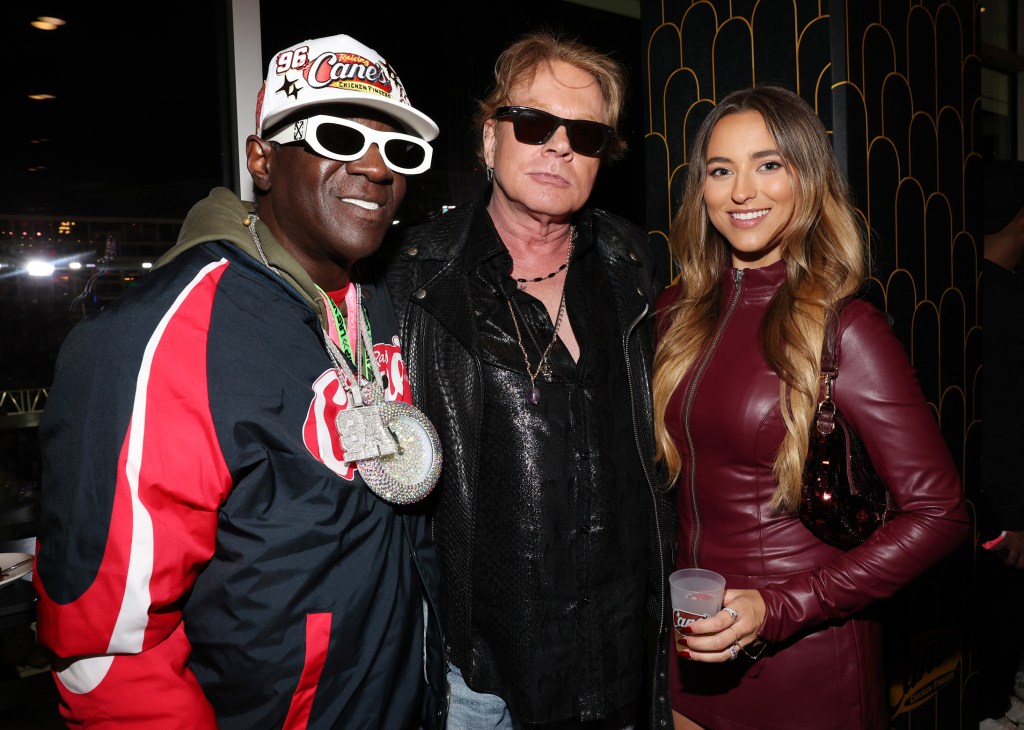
(561, 536)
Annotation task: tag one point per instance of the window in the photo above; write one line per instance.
(1002, 79)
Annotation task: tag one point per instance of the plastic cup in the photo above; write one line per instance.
(696, 594)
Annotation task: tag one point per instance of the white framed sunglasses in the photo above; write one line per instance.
(344, 140)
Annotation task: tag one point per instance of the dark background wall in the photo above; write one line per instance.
(896, 83)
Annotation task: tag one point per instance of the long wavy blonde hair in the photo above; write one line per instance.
(825, 256)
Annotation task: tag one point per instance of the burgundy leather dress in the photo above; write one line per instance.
(823, 664)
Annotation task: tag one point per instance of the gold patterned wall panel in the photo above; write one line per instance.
(897, 84)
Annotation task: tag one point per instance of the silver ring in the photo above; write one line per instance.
(734, 651)
(732, 612)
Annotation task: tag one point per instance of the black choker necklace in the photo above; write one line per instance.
(535, 279)
(521, 283)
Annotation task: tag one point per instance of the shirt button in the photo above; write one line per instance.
(412, 251)
(633, 256)
(420, 293)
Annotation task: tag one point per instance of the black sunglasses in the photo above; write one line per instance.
(533, 126)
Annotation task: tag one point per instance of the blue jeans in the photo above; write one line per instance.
(469, 710)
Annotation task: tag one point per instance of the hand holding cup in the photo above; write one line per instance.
(696, 594)
(726, 634)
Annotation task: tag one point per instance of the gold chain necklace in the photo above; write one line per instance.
(533, 394)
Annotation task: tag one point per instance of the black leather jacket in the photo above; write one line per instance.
(433, 303)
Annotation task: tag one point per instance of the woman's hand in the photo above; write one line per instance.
(721, 637)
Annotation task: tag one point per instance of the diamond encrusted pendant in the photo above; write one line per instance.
(533, 395)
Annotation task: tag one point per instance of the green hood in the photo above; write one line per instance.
(222, 217)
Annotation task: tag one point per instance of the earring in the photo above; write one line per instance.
(490, 173)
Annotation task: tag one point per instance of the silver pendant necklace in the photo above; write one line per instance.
(533, 393)
(393, 444)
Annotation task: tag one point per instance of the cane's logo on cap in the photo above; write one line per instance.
(348, 71)
(336, 70)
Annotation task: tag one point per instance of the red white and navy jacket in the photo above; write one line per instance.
(206, 558)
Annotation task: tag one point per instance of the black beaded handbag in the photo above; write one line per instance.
(843, 499)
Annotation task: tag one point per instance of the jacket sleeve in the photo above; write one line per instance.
(877, 390)
(132, 479)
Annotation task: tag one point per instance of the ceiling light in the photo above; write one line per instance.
(46, 22)
(41, 97)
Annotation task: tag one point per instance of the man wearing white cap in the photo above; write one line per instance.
(232, 531)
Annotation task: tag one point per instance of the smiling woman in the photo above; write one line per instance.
(770, 248)
(749, 190)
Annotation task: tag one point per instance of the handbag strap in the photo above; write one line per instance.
(824, 421)
(829, 347)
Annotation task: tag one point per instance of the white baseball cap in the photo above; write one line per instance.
(334, 70)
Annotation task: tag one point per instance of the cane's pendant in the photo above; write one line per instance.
(363, 433)
(533, 395)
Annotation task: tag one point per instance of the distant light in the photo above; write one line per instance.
(47, 22)
(75, 265)
(39, 268)
(41, 140)
(147, 265)
(41, 97)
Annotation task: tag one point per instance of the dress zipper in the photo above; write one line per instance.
(691, 394)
